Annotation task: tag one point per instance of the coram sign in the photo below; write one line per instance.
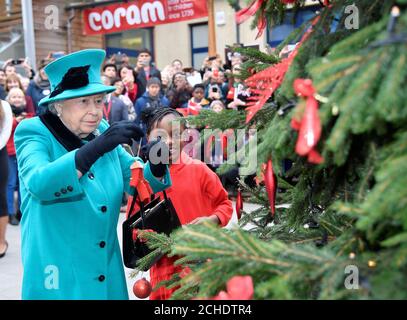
(140, 14)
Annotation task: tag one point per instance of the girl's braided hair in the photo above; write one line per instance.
(153, 115)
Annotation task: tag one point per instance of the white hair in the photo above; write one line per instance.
(52, 107)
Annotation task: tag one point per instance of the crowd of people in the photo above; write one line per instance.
(138, 87)
(178, 87)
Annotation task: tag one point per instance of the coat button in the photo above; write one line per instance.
(70, 189)
(57, 194)
(102, 278)
(63, 191)
(91, 176)
(103, 208)
(102, 244)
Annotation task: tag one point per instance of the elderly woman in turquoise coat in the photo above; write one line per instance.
(73, 172)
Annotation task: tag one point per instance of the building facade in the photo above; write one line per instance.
(60, 26)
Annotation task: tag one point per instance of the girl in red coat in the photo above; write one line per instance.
(196, 192)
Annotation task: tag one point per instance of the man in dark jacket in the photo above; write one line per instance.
(145, 71)
(39, 87)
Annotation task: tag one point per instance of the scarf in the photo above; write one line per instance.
(40, 82)
(17, 110)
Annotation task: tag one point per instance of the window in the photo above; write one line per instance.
(129, 42)
(278, 33)
(199, 44)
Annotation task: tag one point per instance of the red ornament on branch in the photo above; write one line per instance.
(239, 204)
(309, 126)
(288, 1)
(142, 288)
(270, 180)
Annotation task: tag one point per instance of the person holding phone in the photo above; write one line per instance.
(213, 89)
(180, 91)
(145, 70)
(128, 75)
(10, 67)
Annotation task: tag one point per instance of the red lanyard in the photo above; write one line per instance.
(106, 112)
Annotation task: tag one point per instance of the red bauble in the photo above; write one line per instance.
(288, 1)
(142, 288)
(309, 127)
(239, 204)
(270, 181)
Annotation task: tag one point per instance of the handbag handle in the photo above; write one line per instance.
(133, 202)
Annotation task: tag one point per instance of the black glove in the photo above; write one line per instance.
(116, 134)
(157, 166)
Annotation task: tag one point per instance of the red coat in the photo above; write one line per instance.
(196, 191)
(132, 94)
(29, 105)
(11, 149)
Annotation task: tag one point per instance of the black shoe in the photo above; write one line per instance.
(13, 220)
(4, 253)
(18, 215)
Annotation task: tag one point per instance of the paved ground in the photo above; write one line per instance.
(11, 269)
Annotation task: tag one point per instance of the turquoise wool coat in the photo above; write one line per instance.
(70, 248)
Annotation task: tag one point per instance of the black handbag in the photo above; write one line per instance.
(158, 215)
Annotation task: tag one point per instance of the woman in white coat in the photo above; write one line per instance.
(6, 121)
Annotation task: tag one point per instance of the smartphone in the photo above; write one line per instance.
(17, 61)
(188, 70)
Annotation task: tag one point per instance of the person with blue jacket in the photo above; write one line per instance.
(73, 172)
(151, 98)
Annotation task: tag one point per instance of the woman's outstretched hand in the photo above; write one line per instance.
(118, 133)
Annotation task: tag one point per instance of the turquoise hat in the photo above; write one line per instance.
(76, 75)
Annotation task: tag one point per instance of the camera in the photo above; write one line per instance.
(214, 89)
(16, 62)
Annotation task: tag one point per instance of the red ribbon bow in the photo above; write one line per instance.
(309, 126)
(237, 288)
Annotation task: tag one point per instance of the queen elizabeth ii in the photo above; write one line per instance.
(73, 172)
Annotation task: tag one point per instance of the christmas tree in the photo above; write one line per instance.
(331, 122)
